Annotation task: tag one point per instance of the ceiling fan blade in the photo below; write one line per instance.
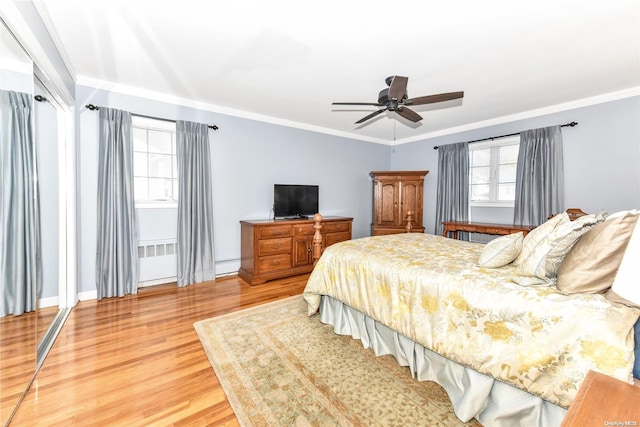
(430, 99)
(398, 88)
(374, 104)
(408, 114)
(370, 116)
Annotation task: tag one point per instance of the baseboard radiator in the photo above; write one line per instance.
(157, 262)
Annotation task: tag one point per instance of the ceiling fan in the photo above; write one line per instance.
(395, 98)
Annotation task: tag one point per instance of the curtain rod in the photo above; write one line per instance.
(95, 107)
(572, 124)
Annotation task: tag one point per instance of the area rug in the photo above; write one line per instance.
(279, 367)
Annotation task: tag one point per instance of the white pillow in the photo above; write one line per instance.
(626, 285)
(545, 259)
(501, 250)
(534, 237)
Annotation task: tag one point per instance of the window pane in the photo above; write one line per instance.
(480, 192)
(507, 173)
(159, 142)
(160, 165)
(507, 192)
(480, 157)
(154, 162)
(480, 175)
(140, 188)
(160, 189)
(140, 164)
(139, 139)
(509, 154)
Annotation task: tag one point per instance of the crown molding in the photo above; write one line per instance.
(170, 99)
(161, 97)
(584, 102)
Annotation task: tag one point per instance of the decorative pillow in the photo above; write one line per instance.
(534, 237)
(545, 259)
(626, 287)
(501, 251)
(593, 262)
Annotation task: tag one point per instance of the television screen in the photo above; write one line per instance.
(294, 201)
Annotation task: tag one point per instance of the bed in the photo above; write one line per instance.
(507, 353)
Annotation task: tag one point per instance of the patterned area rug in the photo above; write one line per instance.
(279, 367)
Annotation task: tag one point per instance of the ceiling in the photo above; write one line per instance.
(286, 61)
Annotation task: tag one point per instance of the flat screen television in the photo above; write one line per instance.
(294, 201)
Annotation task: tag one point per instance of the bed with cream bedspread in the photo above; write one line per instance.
(431, 290)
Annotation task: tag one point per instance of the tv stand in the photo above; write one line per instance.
(297, 217)
(272, 249)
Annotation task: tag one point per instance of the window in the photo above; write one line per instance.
(155, 166)
(492, 174)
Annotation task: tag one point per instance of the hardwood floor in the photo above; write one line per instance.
(18, 345)
(137, 360)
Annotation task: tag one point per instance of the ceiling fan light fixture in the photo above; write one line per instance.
(395, 98)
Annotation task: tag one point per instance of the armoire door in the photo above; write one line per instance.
(410, 200)
(387, 207)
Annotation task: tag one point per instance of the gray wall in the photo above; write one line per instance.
(48, 150)
(247, 158)
(602, 163)
(601, 157)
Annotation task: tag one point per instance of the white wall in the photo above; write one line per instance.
(601, 157)
(247, 158)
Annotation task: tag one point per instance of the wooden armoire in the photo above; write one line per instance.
(394, 194)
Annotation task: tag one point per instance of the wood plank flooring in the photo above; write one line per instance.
(137, 361)
(18, 344)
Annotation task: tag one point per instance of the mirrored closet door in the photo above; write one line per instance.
(33, 221)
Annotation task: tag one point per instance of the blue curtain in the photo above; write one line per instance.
(539, 176)
(117, 253)
(195, 212)
(20, 245)
(453, 185)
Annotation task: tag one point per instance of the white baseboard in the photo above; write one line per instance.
(48, 302)
(87, 295)
(223, 268)
(227, 267)
(155, 282)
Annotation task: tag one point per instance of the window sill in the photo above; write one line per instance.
(492, 204)
(157, 205)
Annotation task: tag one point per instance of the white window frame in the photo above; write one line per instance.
(159, 125)
(512, 140)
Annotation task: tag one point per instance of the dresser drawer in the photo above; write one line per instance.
(332, 238)
(303, 230)
(331, 227)
(274, 231)
(274, 246)
(274, 262)
(492, 230)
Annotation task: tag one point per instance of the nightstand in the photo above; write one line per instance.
(604, 401)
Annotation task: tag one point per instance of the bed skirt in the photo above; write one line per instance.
(473, 395)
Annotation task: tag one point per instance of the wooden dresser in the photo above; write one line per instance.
(272, 249)
(395, 193)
